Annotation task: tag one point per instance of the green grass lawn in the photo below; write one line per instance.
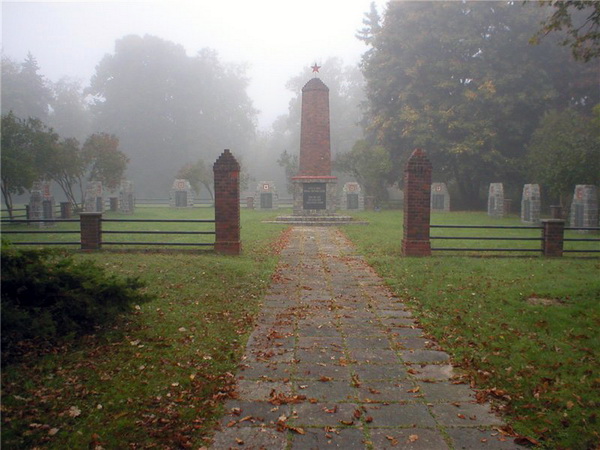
(157, 377)
(524, 329)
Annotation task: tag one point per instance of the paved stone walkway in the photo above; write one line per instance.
(336, 361)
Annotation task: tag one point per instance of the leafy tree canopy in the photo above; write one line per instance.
(168, 108)
(198, 175)
(460, 80)
(18, 157)
(565, 151)
(580, 21)
(369, 164)
(106, 162)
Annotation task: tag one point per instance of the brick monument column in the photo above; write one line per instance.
(314, 187)
(417, 208)
(227, 204)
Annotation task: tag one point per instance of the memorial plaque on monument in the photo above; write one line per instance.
(266, 200)
(315, 196)
(180, 199)
(352, 200)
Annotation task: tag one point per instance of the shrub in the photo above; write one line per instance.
(47, 296)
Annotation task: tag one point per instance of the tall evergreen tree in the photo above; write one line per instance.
(24, 89)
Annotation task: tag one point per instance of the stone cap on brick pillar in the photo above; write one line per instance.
(226, 162)
(418, 159)
(315, 84)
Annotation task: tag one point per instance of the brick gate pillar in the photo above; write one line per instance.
(91, 231)
(553, 237)
(227, 204)
(417, 205)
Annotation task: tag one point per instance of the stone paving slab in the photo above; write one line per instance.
(336, 361)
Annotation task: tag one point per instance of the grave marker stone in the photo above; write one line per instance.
(41, 202)
(265, 196)
(440, 197)
(93, 200)
(181, 194)
(531, 204)
(126, 197)
(584, 208)
(352, 197)
(496, 200)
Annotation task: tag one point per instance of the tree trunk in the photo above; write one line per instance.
(8, 201)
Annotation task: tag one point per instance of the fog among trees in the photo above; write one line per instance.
(461, 80)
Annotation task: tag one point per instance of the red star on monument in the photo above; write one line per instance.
(315, 68)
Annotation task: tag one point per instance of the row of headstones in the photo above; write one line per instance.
(94, 198)
(266, 197)
(42, 205)
(584, 207)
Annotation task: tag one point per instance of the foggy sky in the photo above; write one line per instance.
(276, 38)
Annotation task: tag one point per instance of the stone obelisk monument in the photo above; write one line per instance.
(314, 186)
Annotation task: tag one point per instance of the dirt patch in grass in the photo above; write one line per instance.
(543, 301)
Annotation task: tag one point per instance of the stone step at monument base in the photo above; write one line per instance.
(317, 221)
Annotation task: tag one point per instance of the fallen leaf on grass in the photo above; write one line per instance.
(392, 439)
(526, 440)
(282, 399)
(461, 416)
(413, 438)
(324, 378)
(570, 404)
(297, 430)
(415, 389)
(74, 411)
